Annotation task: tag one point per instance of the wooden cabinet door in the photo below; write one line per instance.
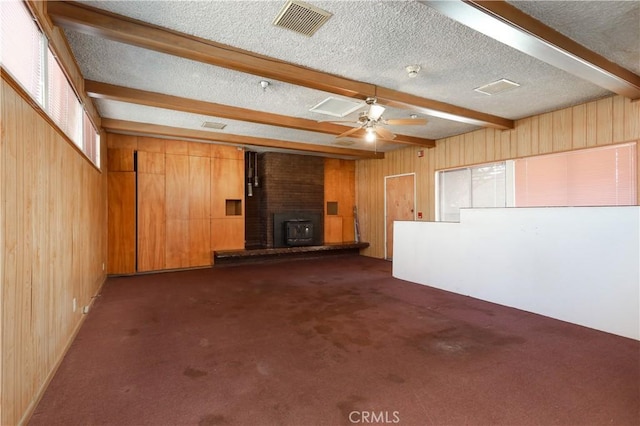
(121, 195)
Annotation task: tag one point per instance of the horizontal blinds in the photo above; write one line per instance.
(22, 47)
(604, 176)
(63, 105)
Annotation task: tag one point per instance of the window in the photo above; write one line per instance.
(479, 186)
(604, 176)
(25, 55)
(62, 104)
(22, 48)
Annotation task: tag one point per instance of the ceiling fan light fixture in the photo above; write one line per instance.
(375, 112)
(370, 135)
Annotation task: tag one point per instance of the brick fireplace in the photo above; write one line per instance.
(291, 188)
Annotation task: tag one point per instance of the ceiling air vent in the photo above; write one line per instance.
(336, 107)
(496, 87)
(213, 125)
(301, 17)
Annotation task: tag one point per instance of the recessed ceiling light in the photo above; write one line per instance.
(496, 87)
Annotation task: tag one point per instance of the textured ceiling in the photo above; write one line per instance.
(369, 41)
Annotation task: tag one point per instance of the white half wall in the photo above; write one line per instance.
(576, 264)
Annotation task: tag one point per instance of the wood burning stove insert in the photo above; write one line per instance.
(298, 232)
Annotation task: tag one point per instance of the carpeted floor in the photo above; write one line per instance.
(331, 341)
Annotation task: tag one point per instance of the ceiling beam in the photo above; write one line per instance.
(125, 30)
(509, 25)
(122, 126)
(100, 90)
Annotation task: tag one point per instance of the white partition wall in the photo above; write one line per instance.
(576, 264)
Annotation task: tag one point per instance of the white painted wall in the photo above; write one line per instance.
(576, 264)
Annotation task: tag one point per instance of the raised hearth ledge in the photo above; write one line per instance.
(227, 257)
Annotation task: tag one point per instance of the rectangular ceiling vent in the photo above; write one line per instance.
(213, 125)
(496, 87)
(301, 17)
(336, 107)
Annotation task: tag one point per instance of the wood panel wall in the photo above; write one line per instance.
(339, 187)
(606, 121)
(52, 248)
(180, 204)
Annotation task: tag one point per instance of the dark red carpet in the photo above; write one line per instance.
(331, 341)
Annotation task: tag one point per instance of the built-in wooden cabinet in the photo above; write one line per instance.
(189, 201)
(339, 200)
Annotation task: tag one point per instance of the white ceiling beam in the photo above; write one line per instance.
(509, 25)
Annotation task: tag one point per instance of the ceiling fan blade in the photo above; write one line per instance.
(375, 112)
(384, 133)
(348, 132)
(406, 122)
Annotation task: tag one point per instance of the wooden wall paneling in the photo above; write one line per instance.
(199, 187)
(225, 151)
(631, 120)
(604, 126)
(479, 146)
(53, 224)
(227, 183)
(333, 229)
(151, 221)
(545, 133)
(176, 147)
(467, 148)
(579, 126)
(120, 159)
(151, 162)
(121, 220)
(490, 145)
(177, 197)
(177, 249)
(149, 144)
(505, 143)
(523, 135)
(116, 141)
(227, 233)
(561, 130)
(177, 186)
(592, 119)
(198, 149)
(199, 210)
(618, 118)
(200, 242)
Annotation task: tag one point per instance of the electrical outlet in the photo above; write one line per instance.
(102, 266)
(85, 310)
(75, 304)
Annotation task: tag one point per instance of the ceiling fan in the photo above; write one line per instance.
(371, 121)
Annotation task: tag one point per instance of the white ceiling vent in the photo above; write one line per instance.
(301, 17)
(496, 87)
(336, 107)
(213, 125)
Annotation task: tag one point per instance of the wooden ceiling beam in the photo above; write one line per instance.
(131, 127)
(100, 23)
(100, 90)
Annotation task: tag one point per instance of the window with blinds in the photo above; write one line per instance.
(603, 176)
(25, 55)
(480, 186)
(22, 48)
